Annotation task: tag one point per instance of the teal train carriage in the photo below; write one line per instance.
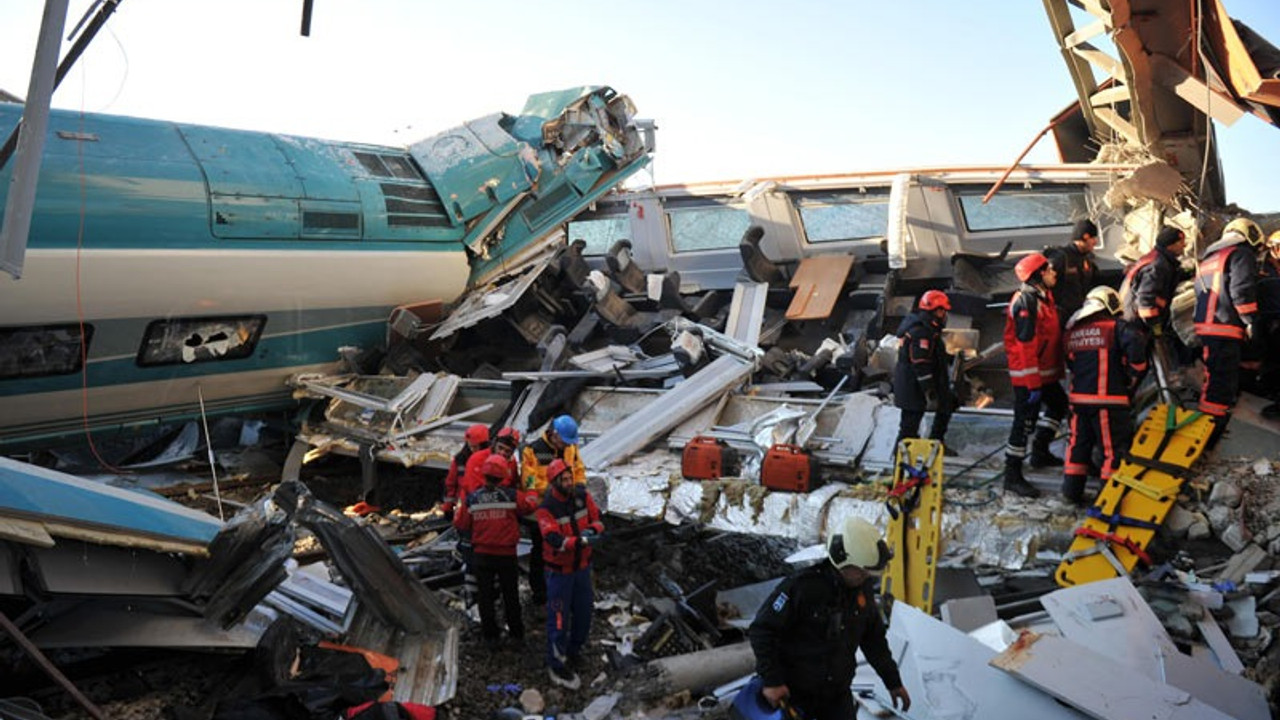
(171, 263)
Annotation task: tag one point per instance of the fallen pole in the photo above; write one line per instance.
(49, 667)
(697, 670)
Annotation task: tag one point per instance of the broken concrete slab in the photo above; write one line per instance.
(1134, 637)
(1095, 684)
(947, 674)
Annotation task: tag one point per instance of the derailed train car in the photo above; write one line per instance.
(175, 269)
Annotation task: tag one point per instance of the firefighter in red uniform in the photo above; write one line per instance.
(1107, 357)
(489, 514)
(476, 438)
(570, 525)
(1033, 345)
(920, 377)
(473, 478)
(1226, 307)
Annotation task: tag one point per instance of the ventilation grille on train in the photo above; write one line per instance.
(414, 206)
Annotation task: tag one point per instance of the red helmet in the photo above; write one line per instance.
(556, 469)
(934, 299)
(1028, 266)
(477, 434)
(495, 467)
(509, 435)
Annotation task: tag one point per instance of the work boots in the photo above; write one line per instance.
(1073, 489)
(1040, 455)
(1014, 482)
(1219, 429)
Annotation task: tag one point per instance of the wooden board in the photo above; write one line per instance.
(818, 283)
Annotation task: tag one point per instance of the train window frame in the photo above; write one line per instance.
(1078, 206)
(159, 348)
(678, 212)
(74, 348)
(817, 201)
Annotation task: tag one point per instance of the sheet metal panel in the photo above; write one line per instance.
(31, 492)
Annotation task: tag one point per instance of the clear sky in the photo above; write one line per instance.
(739, 88)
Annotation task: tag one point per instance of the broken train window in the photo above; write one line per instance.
(600, 233)
(833, 217)
(192, 340)
(40, 350)
(1016, 209)
(706, 224)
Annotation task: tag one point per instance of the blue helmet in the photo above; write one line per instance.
(566, 428)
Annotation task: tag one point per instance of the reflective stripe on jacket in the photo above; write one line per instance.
(1105, 357)
(562, 518)
(492, 515)
(1226, 290)
(1032, 338)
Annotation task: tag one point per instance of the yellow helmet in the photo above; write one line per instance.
(1246, 227)
(1274, 238)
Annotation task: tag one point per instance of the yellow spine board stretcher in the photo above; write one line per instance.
(1133, 503)
(915, 525)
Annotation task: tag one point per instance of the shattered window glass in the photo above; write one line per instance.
(832, 218)
(192, 340)
(600, 234)
(41, 350)
(1030, 209)
(710, 227)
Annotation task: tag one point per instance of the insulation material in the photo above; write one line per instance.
(640, 489)
(753, 509)
(685, 503)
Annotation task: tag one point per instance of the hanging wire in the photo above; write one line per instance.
(208, 443)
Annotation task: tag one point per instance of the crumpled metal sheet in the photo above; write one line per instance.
(1010, 537)
(686, 501)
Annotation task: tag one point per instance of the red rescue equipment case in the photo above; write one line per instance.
(789, 468)
(707, 458)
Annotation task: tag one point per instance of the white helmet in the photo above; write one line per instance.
(858, 544)
(1104, 298)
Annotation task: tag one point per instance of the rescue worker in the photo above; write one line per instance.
(1149, 283)
(559, 441)
(1076, 268)
(1106, 357)
(1269, 316)
(806, 634)
(1226, 307)
(1033, 346)
(490, 515)
(921, 376)
(570, 524)
(503, 445)
(476, 438)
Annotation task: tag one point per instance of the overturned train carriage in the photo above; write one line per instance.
(171, 266)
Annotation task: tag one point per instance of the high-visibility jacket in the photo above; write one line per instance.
(1106, 356)
(491, 514)
(1032, 338)
(561, 519)
(922, 361)
(537, 455)
(1226, 289)
(1148, 287)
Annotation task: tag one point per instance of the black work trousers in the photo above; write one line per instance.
(1026, 414)
(499, 574)
(1221, 375)
(909, 423)
(838, 706)
(1093, 426)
